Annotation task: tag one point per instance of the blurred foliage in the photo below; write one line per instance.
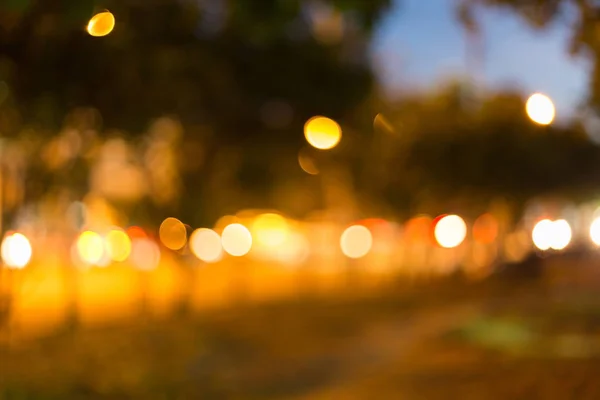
(214, 63)
(457, 143)
(242, 77)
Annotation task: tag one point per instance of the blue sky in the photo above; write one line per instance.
(419, 42)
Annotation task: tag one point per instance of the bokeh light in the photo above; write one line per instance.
(450, 231)
(270, 229)
(295, 251)
(542, 234)
(101, 24)
(118, 245)
(135, 232)
(561, 234)
(145, 254)
(417, 229)
(173, 234)
(236, 240)
(554, 235)
(322, 133)
(16, 251)
(356, 241)
(90, 247)
(206, 245)
(595, 231)
(485, 229)
(433, 224)
(540, 109)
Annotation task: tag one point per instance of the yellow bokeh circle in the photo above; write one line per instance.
(322, 133)
(101, 24)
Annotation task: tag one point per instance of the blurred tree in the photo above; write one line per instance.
(215, 63)
(453, 145)
(235, 73)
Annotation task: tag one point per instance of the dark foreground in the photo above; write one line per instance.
(509, 338)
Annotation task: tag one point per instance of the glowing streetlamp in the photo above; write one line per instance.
(450, 231)
(595, 231)
(16, 251)
(356, 241)
(206, 245)
(548, 234)
(236, 240)
(540, 109)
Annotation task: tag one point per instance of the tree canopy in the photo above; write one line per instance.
(452, 144)
(213, 63)
(242, 77)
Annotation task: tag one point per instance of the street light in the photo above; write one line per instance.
(540, 109)
(16, 251)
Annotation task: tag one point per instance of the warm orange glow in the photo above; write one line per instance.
(101, 24)
(450, 231)
(270, 229)
(90, 247)
(516, 246)
(418, 229)
(322, 133)
(236, 240)
(224, 221)
(206, 245)
(540, 109)
(294, 251)
(135, 232)
(118, 245)
(434, 223)
(356, 241)
(173, 234)
(145, 254)
(485, 229)
(16, 251)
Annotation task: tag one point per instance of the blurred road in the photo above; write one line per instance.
(502, 338)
